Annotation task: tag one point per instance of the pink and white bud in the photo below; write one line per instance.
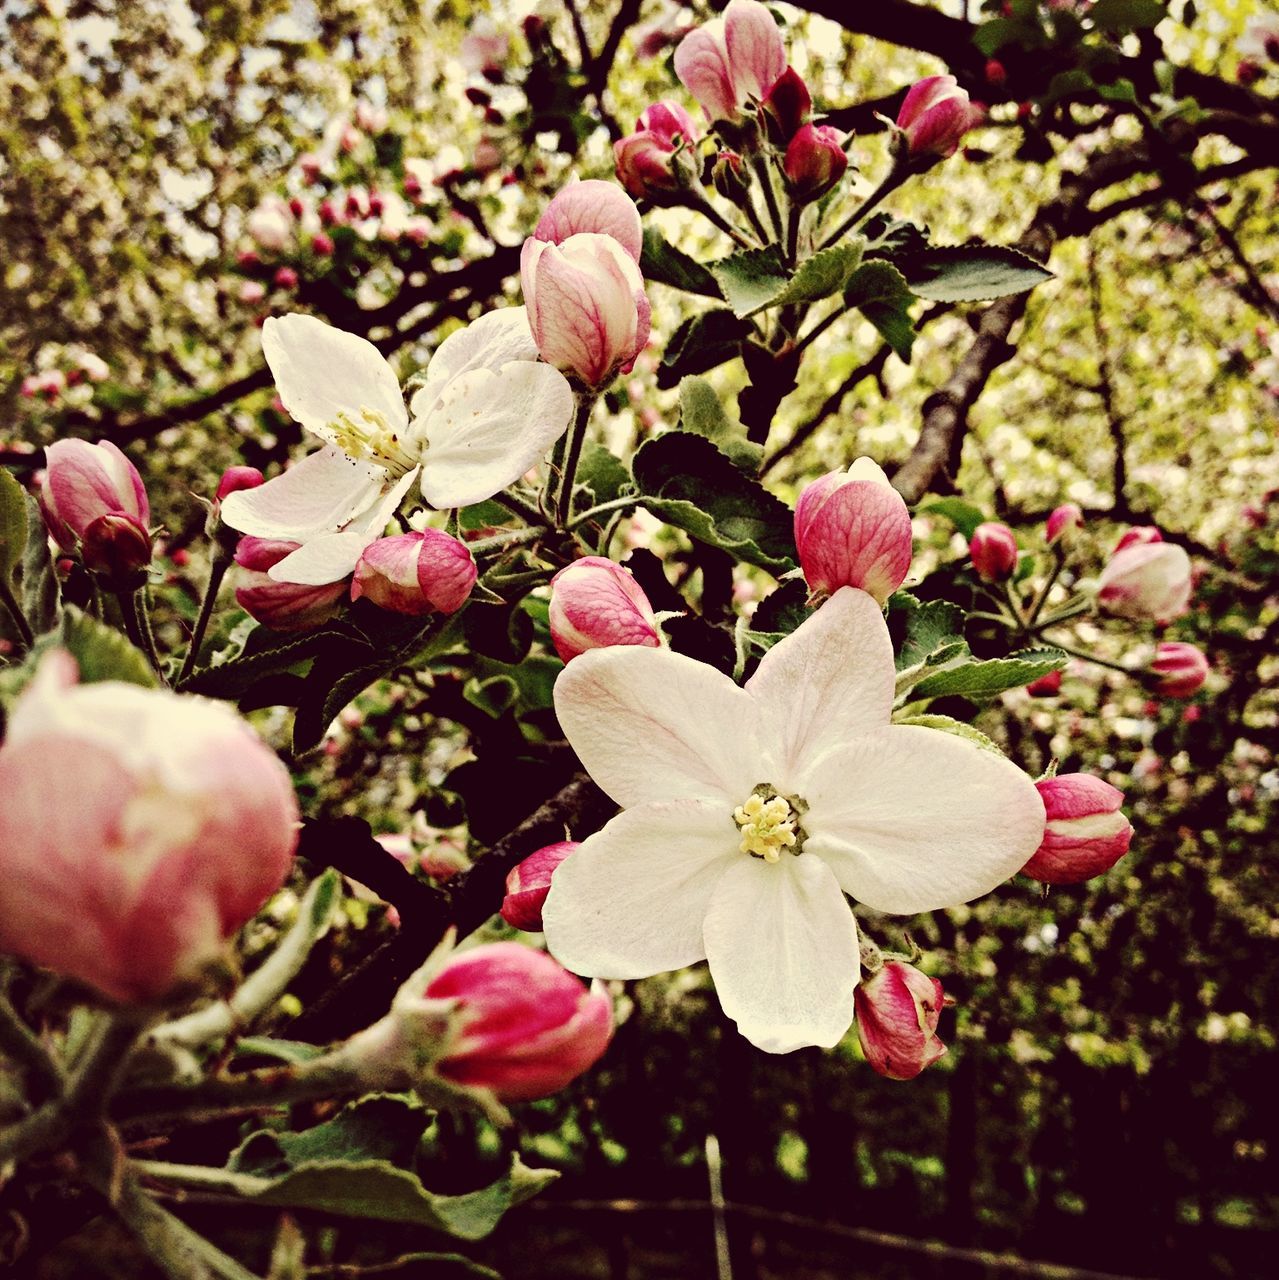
(1146, 581)
(897, 1009)
(595, 604)
(731, 59)
(1085, 835)
(934, 117)
(1139, 536)
(528, 884)
(649, 160)
(252, 292)
(94, 367)
(787, 107)
(415, 573)
(993, 548)
(285, 278)
(815, 161)
(281, 606)
(183, 823)
(84, 481)
(586, 304)
(1178, 670)
(595, 206)
(117, 549)
(852, 529)
(235, 479)
(271, 223)
(1063, 521)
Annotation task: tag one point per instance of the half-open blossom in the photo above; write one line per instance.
(731, 59)
(84, 481)
(415, 573)
(993, 548)
(750, 812)
(852, 529)
(1178, 670)
(486, 412)
(529, 882)
(1063, 521)
(649, 160)
(898, 1008)
(1086, 833)
(281, 606)
(1146, 581)
(595, 603)
(139, 830)
(934, 117)
(815, 161)
(787, 106)
(598, 207)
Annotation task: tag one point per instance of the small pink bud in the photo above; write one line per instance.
(327, 212)
(787, 107)
(415, 573)
(1146, 579)
(993, 548)
(852, 529)
(815, 161)
(118, 550)
(1064, 521)
(297, 207)
(83, 481)
(180, 557)
(1247, 72)
(1085, 835)
(897, 1010)
(310, 166)
(1046, 686)
(934, 117)
(321, 245)
(528, 884)
(286, 278)
(595, 604)
(281, 606)
(1178, 670)
(247, 259)
(234, 479)
(252, 292)
(657, 160)
(271, 223)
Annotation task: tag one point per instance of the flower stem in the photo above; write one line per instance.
(819, 328)
(217, 571)
(1072, 610)
(896, 176)
(137, 625)
(770, 195)
(594, 513)
(717, 219)
(1037, 606)
(517, 506)
(10, 602)
(1089, 657)
(793, 218)
(21, 1045)
(573, 454)
(509, 538)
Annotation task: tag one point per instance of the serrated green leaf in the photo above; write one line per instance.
(979, 680)
(933, 630)
(41, 594)
(824, 274)
(101, 652)
(603, 473)
(702, 412)
(782, 611)
(948, 725)
(13, 523)
(663, 263)
(887, 236)
(751, 280)
(879, 291)
(702, 341)
(963, 515)
(971, 273)
(691, 484)
(1126, 15)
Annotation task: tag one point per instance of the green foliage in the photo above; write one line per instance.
(751, 280)
(702, 341)
(975, 273)
(101, 652)
(13, 523)
(702, 412)
(662, 263)
(880, 292)
(985, 679)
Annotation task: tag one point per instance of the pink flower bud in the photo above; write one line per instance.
(252, 292)
(731, 59)
(1146, 580)
(286, 278)
(321, 245)
(415, 573)
(234, 479)
(787, 106)
(1046, 686)
(282, 606)
(83, 481)
(118, 550)
(271, 223)
(815, 161)
(596, 603)
(1178, 670)
(852, 529)
(1138, 536)
(934, 117)
(1085, 835)
(595, 206)
(523, 1027)
(528, 884)
(183, 823)
(897, 1010)
(647, 161)
(993, 548)
(1063, 521)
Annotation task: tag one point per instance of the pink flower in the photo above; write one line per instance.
(234, 479)
(934, 117)
(596, 603)
(787, 106)
(1063, 521)
(282, 606)
(731, 59)
(182, 824)
(83, 481)
(897, 1010)
(853, 530)
(648, 160)
(815, 161)
(415, 573)
(528, 884)
(1178, 670)
(599, 206)
(1086, 832)
(1146, 580)
(993, 548)
(1046, 686)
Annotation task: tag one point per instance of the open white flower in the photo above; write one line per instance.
(486, 413)
(750, 812)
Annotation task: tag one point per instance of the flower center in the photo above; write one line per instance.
(367, 434)
(769, 824)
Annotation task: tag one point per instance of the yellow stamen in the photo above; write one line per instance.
(767, 826)
(370, 436)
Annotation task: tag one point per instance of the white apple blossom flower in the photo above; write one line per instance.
(748, 814)
(487, 411)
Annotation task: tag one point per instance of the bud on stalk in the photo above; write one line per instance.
(815, 161)
(897, 1010)
(528, 884)
(1178, 670)
(933, 119)
(1063, 522)
(281, 606)
(595, 604)
(1085, 834)
(993, 548)
(1146, 579)
(84, 481)
(415, 573)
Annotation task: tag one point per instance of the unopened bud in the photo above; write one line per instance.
(995, 72)
(1146, 579)
(117, 549)
(787, 107)
(84, 481)
(1063, 522)
(321, 245)
(1048, 686)
(730, 177)
(528, 884)
(415, 573)
(933, 119)
(595, 604)
(993, 548)
(897, 1010)
(1085, 832)
(815, 161)
(281, 606)
(1178, 670)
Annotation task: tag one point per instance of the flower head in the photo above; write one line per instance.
(731, 59)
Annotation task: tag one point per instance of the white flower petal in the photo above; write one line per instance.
(328, 558)
(317, 495)
(630, 902)
(913, 819)
(379, 516)
(495, 339)
(649, 724)
(782, 945)
(321, 372)
(829, 681)
(487, 429)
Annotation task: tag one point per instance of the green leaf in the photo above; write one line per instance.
(13, 523)
(494, 696)
(41, 594)
(662, 263)
(824, 274)
(879, 291)
(1121, 90)
(702, 412)
(102, 652)
(752, 280)
(975, 273)
(1126, 15)
(998, 33)
(886, 236)
(691, 484)
(933, 632)
(701, 342)
(603, 473)
(948, 725)
(979, 680)
(963, 515)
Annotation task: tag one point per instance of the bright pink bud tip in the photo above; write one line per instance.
(897, 1010)
(1146, 579)
(1048, 686)
(1085, 835)
(281, 606)
(234, 479)
(415, 573)
(83, 481)
(787, 106)
(1063, 521)
(852, 529)
(183, 823)
(993, 548)
(1138, 536)
(934, 117)
(815, 161)
(527, 1027)
(1178, 670)
(596, 603)
(528, 884)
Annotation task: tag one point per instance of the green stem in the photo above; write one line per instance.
(793, 218)
(752, 216)
(517, 506)
(1013, 601)
(1072, 610)
(1037, 605)
(819, 328)
(21, 1045)
(1089, 657)
(770, 196)
(217, 571)
(577, 437)
(10, 602)
(613, 504)
(717, 219)
(138, 626)
(896, 176)
(509, 538)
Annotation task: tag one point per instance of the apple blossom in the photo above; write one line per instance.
(593, 206)
(852, 529)
(647, 160)
(84, 481)
(415, 573)
(731, 59)
(528, 884)
(1139, 535)
(595, 603)
(749, 812)
(281, 606)
(898, 1008)
(815, 161)
(182, 824)
(1178, 670)
(934, 117)
(993, 548)
(1146, 580)
(1085, 835)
